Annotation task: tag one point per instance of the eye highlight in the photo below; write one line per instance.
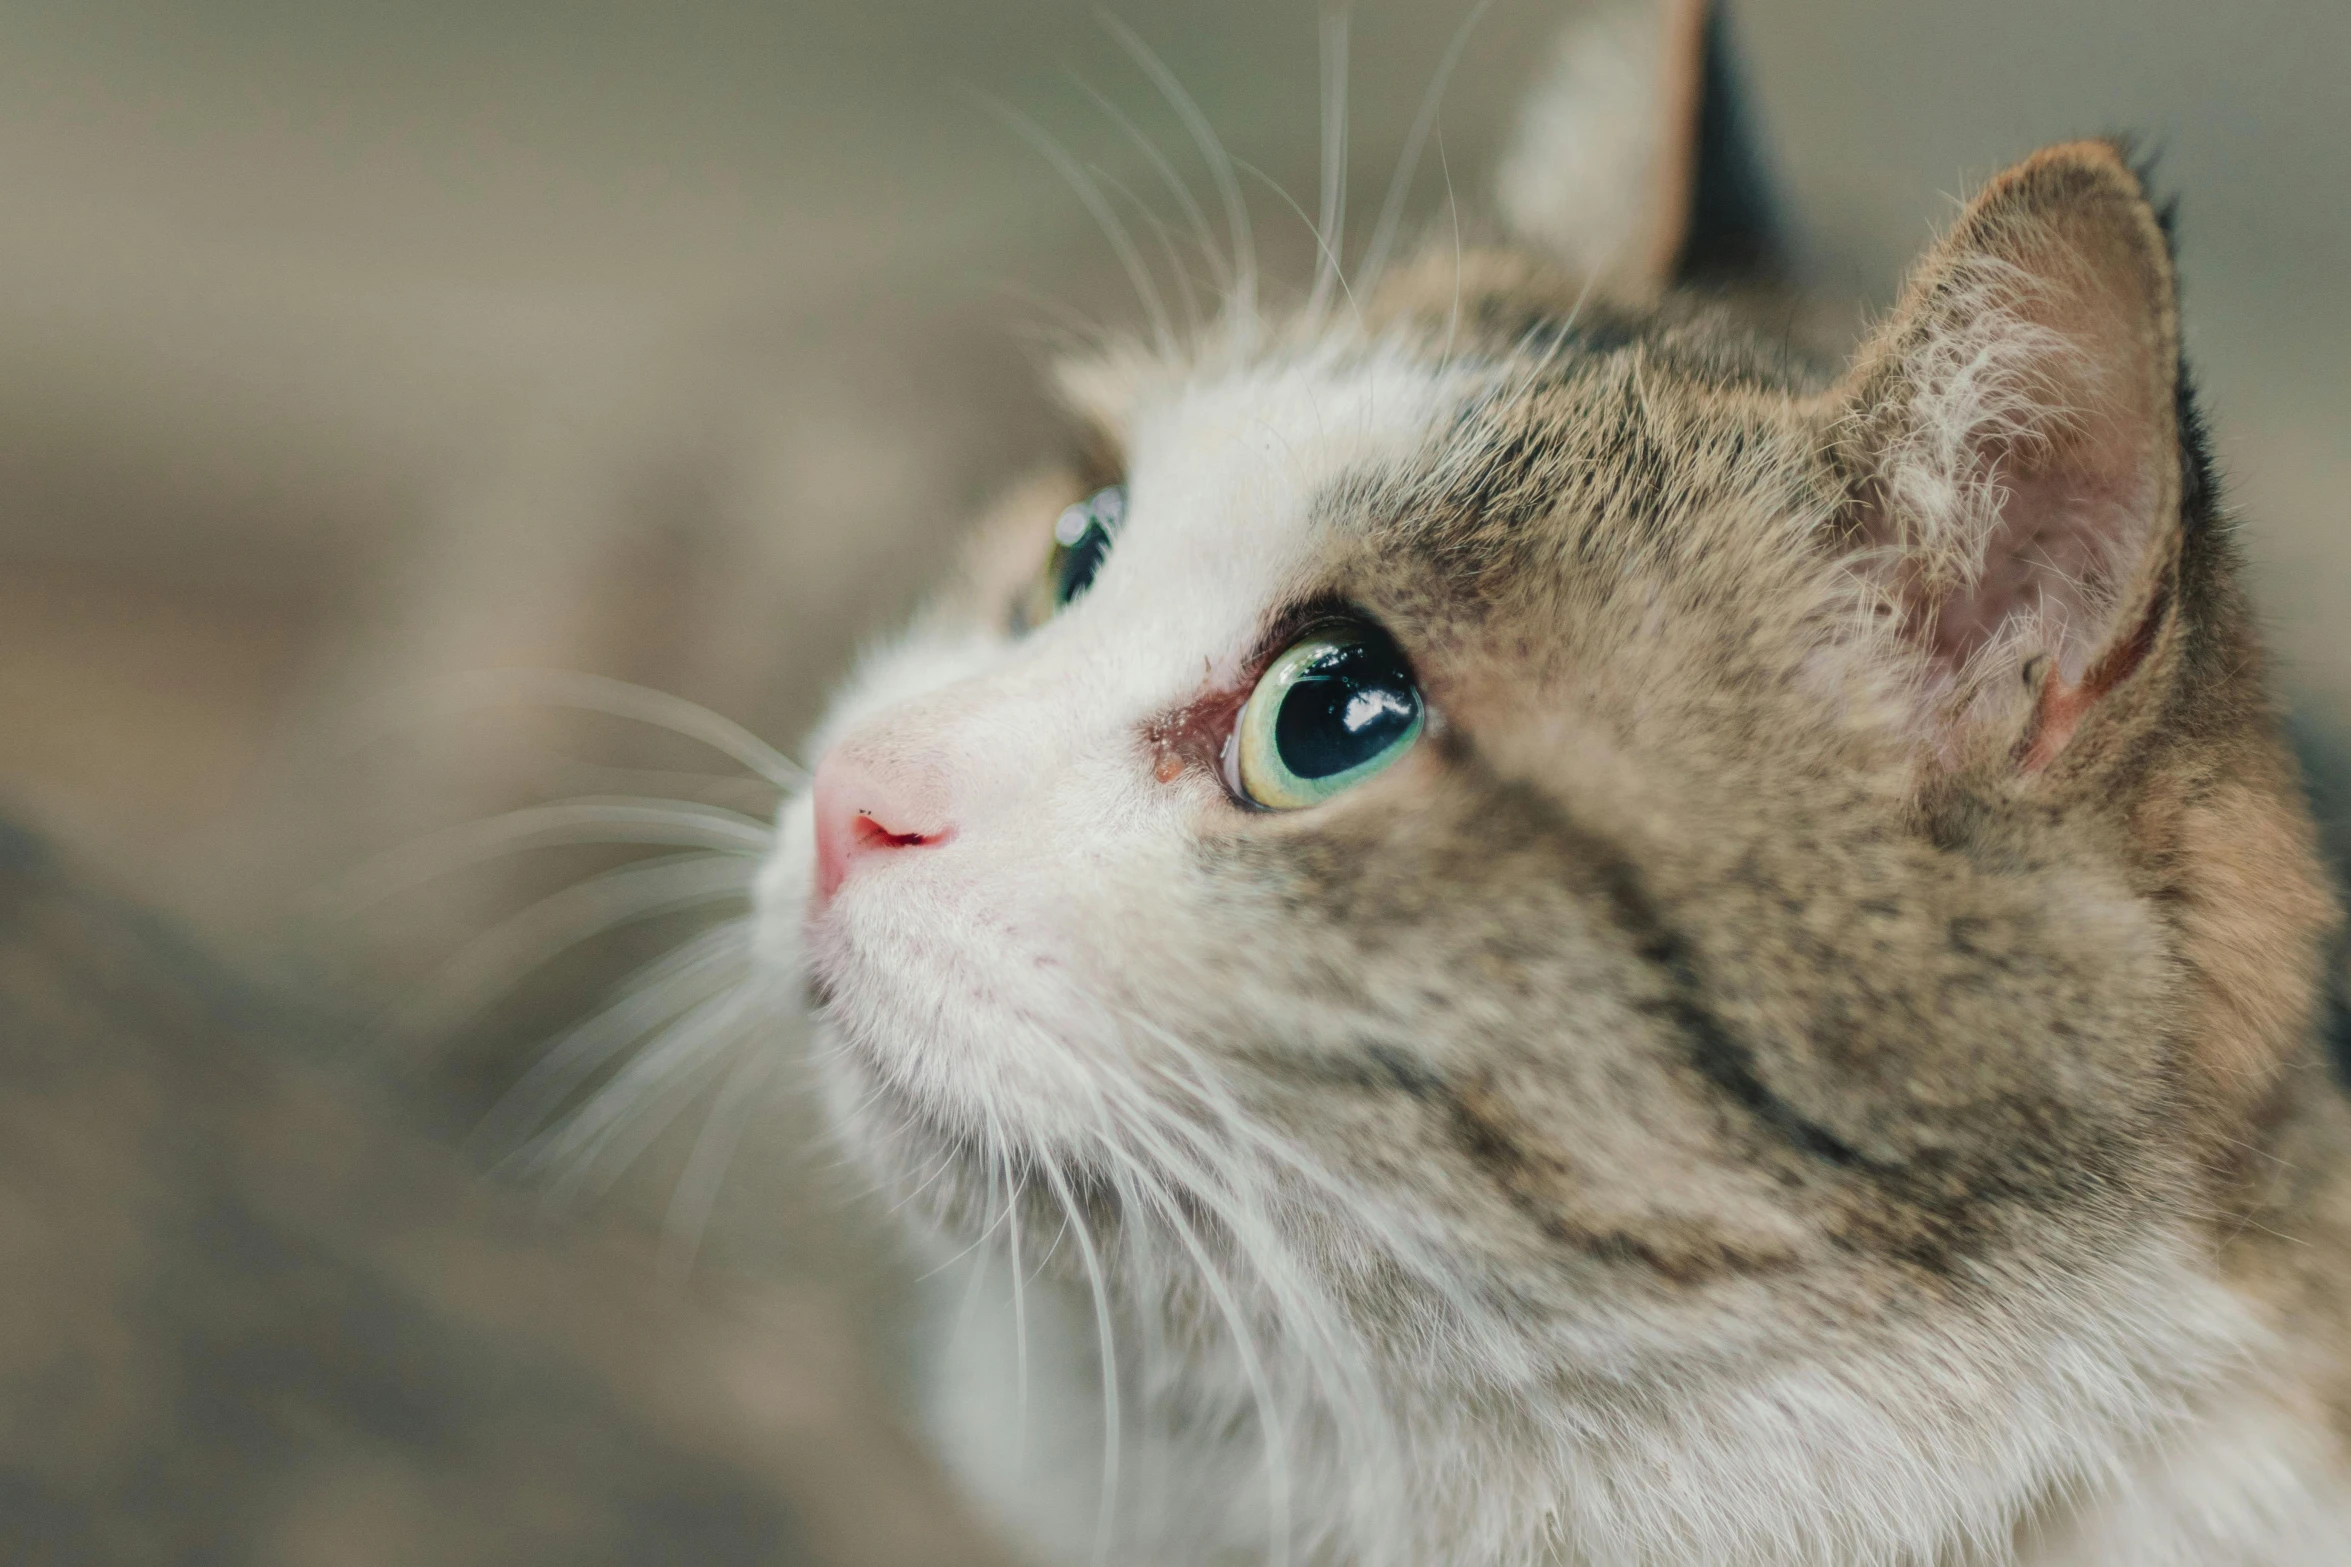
(1336, 707)
(1081, 541)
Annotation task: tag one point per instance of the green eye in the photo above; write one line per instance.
(1334, 709)
(1081, 541)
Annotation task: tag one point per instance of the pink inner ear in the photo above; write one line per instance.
(2061, 706)
(2064, 552)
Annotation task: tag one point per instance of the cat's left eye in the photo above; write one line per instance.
(1081, 541)
(1338, 706)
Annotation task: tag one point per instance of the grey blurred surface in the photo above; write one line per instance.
(346, 346)
(251, 1317)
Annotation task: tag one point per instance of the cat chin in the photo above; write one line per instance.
(940, 1098)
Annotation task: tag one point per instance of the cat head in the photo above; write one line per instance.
(1526, 855)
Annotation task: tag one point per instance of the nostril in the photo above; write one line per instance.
(867, 804)
(868, 833)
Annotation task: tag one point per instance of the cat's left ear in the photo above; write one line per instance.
(2011, 445)
(1633, 166)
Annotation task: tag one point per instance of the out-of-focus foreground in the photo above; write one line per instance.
(344, 348)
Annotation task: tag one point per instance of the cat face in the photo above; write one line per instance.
(1750, 931)
(1066, 779)
(1656, 781)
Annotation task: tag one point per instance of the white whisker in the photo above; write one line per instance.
(665, 1071)
(1090, 196)
(1253, 1367)
(1202, 235)
(654, 823)
(739, 1096)
(1351, 1389)
(976, 1284)
(1453, 215)
(1020, 1313)
(1220, 170)
(1106, 1345)
(1322, 245)
(655, 995)
(1383, 234)
(987, 1234)
(575, 777)
(1330, 227)
(943, 1164)
(1167, 244)
(602, 694)
(501, 957)
(1076, 331)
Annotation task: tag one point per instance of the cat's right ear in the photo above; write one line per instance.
(1632, 166)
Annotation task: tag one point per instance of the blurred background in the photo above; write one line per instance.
(347, 347)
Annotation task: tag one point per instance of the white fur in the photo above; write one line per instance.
(2250, 1484)
(1041, 737)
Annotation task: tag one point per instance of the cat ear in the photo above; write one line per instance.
(2011, 439)
(1632, 165)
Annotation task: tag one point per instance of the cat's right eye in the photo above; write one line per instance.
(1081, 541)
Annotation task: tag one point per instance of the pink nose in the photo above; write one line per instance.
(868, 805)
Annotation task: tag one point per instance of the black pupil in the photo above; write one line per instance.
(1079, 562)
(1351, 704)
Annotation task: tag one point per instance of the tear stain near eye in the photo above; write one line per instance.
(1193, 735)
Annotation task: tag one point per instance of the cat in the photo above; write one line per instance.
(1550, 932)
